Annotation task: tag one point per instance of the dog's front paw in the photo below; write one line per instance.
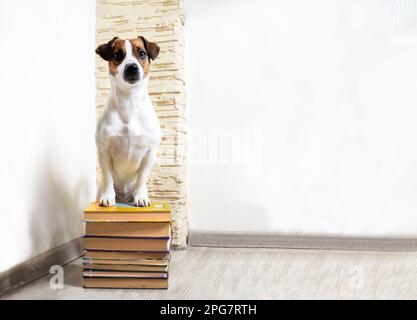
(141, 200)
(108, 199)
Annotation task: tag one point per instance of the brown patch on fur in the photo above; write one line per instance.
(137, 46)
(108, 50)
(151, 47)
(105, 50)
(118, 46)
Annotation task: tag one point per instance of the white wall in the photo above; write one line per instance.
(47, 120)
(319, 103)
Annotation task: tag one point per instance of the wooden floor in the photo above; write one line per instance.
(228, 273)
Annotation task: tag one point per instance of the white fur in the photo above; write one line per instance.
(127, 137)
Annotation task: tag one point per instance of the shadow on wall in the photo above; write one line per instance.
(55, 216)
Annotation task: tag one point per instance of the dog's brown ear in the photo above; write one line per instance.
(151, 47)
(105, 50)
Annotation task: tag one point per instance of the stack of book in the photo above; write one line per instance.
(127, 246)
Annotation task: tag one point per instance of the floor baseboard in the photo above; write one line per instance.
(294, 241)
(39, 266)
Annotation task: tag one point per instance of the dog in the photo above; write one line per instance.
(128, 133)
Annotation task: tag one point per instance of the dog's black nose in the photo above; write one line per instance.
(132, 69)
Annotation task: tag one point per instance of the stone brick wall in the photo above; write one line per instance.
(162, 22)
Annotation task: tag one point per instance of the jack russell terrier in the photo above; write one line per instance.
(128, 133)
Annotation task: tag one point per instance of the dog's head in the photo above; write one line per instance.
(129, 60)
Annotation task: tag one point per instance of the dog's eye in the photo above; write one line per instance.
(117, 56)
(142, 54)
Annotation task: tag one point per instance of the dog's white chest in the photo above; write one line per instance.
(136, 136)
(131, 140)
